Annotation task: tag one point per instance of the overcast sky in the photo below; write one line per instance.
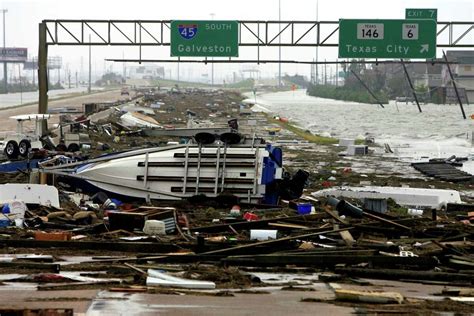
(24, 15)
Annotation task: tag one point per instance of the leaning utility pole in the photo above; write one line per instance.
(325, 73)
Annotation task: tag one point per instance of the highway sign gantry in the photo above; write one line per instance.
(204, 38)
(411, 38)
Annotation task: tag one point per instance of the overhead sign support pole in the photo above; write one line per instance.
(454, 85)
(368, 89)
(43, 73)
(411, 85)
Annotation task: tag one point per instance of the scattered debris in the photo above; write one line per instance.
(199, 202)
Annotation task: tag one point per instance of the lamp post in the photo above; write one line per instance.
(212, 63)
(89, 87)
(316, 75)
(279, 41)
(4, 53)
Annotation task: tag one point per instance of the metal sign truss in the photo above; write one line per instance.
(145, 33)
(252, 33)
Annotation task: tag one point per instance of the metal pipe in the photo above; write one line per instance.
(198, 170)
(145, 175)
(186, 166)
(216, 183)
(223, 167)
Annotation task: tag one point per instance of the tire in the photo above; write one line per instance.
(11, 149)
(61, 147)
(230, 138)
(73, 147)
(205, 138)
(24, 147)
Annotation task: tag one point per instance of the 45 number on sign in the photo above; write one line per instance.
(187, 31)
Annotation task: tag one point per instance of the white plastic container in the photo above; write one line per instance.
(346, 142)
(154, 227)
(263, 234)
(357, 150)
(415, 212)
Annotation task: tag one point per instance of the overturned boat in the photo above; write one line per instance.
(250, 170)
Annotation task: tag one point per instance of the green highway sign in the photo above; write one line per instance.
(421, 14)
(205, 38)
(387, 38)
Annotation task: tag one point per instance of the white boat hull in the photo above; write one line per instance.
(166, 174)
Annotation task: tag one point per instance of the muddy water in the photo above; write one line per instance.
(439, 131)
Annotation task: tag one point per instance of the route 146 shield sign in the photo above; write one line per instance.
(187, 31)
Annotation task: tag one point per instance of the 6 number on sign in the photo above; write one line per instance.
(410, 31)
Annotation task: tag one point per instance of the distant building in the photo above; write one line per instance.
(463, 71)
(146, 72)
(435, 76)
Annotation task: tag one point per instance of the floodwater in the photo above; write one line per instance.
(438, 132)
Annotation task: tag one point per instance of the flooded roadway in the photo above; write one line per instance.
(15, 99)
(438, 132)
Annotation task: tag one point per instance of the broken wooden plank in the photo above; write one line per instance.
(254, 224)
(287, 225)
(446, 248)
(347, 237)
(52, 267)
(37, 311)
(461, 264)
(380, 219)
(457, 292)
(334, 215)
(376, 297)
(132, 289)
(91, 245)
(273, 241)
(135, 268)
(397, 274)
(73, 285)
(330, 260)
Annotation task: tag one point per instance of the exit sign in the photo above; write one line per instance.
(387, 38)
(421, 14)
(205, 38)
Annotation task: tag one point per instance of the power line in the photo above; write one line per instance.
(262, 61)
